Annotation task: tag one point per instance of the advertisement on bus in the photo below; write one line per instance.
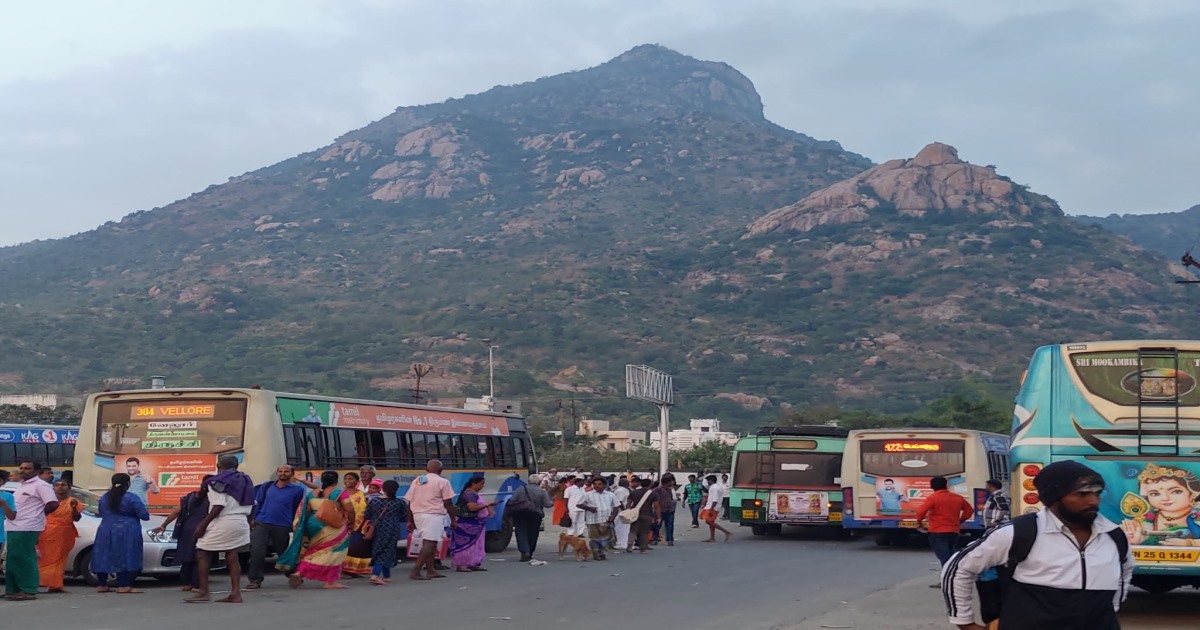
(798, 507)
(361, 416)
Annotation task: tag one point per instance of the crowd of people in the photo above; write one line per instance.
(342, 528)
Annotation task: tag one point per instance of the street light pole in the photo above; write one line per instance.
(491, 374)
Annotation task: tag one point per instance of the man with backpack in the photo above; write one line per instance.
(1064, 567)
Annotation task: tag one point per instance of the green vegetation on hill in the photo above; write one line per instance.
(583, 222)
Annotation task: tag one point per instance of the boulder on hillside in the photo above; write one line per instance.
(935, 180)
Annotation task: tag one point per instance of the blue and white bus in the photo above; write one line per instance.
(1131, 411)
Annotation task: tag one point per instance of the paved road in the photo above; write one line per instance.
(749, 583)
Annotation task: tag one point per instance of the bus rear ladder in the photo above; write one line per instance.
(1158, 432)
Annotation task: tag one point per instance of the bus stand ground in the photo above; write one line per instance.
(912, 605)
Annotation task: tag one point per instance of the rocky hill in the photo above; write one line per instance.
(583, 221)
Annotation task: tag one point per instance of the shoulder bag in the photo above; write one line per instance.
(631, 515)
(331, 513)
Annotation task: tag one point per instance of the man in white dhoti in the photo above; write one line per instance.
(621, 527)
(226, 528)
(573, 496)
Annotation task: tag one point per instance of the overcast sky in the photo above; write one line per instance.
(111, 107)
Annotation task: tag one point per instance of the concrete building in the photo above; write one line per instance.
(699, 432)
(31, 400)
(611, 439)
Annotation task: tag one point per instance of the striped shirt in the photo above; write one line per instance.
(604, 502)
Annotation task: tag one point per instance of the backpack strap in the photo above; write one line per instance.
(1118, 536)
(1024, 535)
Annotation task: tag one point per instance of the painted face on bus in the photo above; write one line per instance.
(1168, 496)
(132, 467)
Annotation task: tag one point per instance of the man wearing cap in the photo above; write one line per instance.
(1074, 576)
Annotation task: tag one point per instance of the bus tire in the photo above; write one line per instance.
(1156, 584)
(775, 529)
(759, 530)
(497, 541)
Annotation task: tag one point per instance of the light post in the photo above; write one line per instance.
(491, 374)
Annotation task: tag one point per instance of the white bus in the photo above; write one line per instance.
(172, 438)
(886, 473)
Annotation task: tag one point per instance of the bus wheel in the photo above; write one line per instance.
(1155, 584)
(497, 541)
(759, 530)
(775, 529)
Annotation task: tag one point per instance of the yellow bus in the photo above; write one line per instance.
(168, 439)
(886, 473)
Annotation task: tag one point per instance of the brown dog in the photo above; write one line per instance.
(580, 546)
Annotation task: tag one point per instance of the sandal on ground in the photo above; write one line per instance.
(253, 586)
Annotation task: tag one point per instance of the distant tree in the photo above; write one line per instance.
(62, 414)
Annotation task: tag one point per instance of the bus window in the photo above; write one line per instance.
(343, 450)
(456, 442)
(470, 451)
(445, 449)
(25, 452)
(998, 466)
(8, 455)
(504, 456)
(289, 445)
(392, 455)
(170, 427)
(373, 441)
(912, 458)
(420, 453)
(55, 455)
(488, 452)
(519, 452)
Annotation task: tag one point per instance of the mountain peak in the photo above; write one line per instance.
(936, 153)
(934, 181)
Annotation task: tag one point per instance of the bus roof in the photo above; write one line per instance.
(814, 430)
(1129, 344)
(922, 431)
(313, 397)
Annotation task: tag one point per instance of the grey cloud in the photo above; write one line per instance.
(1086, 102)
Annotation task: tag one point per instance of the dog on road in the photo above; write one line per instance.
(579, 545)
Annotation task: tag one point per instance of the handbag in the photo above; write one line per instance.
(368, 530)
(631, 515)
(330, 513)
(461, 508)
(565, 521)
(521, 505)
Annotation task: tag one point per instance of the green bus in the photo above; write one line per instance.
(788, 476)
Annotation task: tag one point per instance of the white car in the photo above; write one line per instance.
(158, 553)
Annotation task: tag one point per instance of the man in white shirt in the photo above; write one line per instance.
(573, 495)
(621, 494)
(226, 528)
(600, 510)
(712, 508)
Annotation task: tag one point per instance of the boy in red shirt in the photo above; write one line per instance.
(946, 511)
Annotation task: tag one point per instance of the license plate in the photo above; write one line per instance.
(835, 517)
(750, 514)
(909, 524)
(1166, 555)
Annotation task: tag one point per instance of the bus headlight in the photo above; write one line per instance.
(1030, 498)
(1031, 470)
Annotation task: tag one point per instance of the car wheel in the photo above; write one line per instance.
(759, 530)
(83, 568)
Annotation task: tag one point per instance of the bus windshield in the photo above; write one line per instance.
(789, 469)
(171, 427)
(910, 458)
